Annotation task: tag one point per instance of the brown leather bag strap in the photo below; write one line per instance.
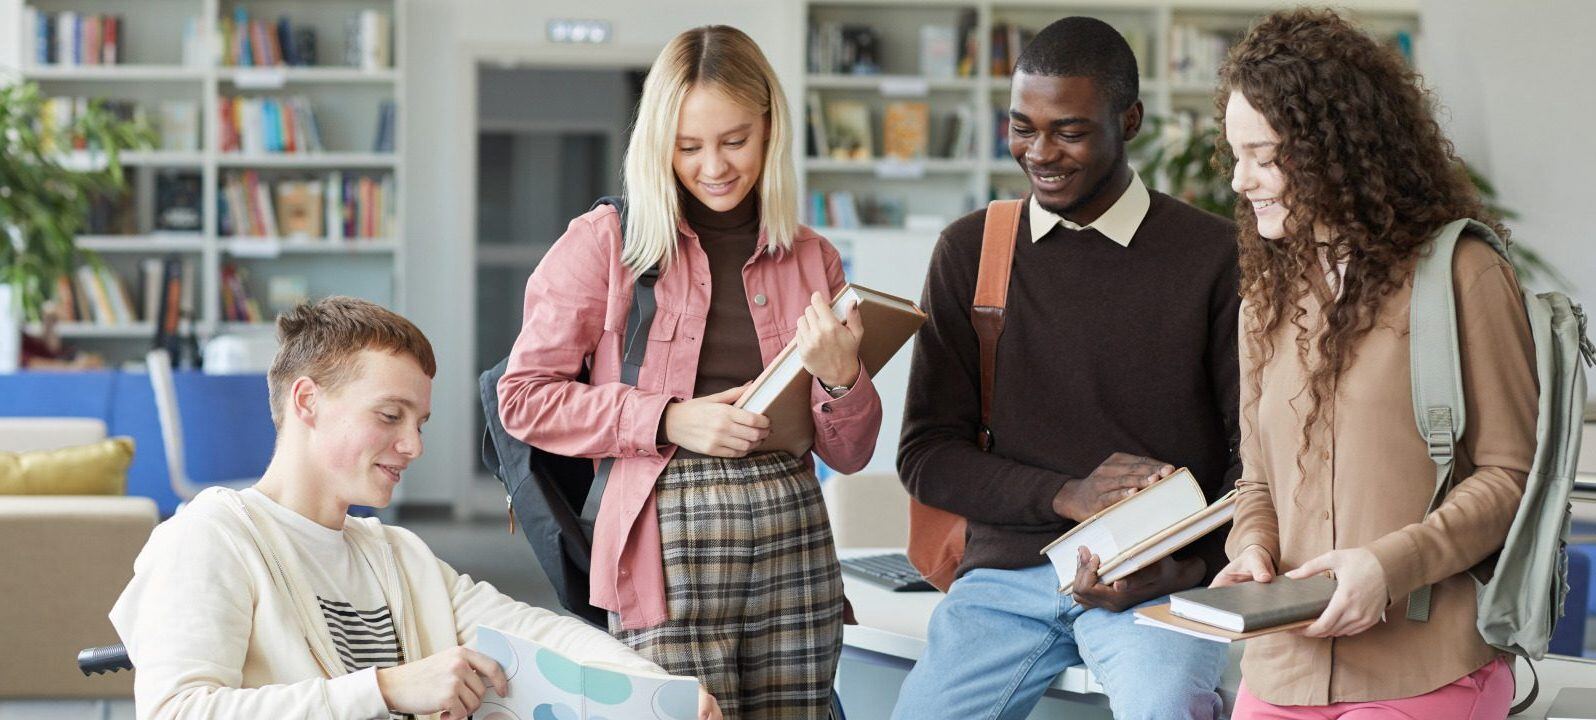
(991, 297)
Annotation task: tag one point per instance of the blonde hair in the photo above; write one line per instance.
(322, 340)
(726, 59)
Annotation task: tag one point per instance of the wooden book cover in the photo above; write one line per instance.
(1254, 605)
(1160, 616)
(781, 392)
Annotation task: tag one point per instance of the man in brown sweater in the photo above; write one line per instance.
(1117, 360)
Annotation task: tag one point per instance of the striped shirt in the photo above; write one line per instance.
(347, 590)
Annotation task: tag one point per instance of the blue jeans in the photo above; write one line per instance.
(1000, 637)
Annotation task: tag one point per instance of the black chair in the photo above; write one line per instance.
(104, 659)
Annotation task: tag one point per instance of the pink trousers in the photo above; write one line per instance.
(1485, 694)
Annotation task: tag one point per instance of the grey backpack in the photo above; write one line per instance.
(1522, 598)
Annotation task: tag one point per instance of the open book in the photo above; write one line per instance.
(1238, 612)
(1141, 529)
(781, 392)
(547, 684)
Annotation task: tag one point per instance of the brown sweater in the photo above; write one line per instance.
(1105, 349)
(730, 353)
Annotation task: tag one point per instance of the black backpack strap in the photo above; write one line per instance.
(638, 323)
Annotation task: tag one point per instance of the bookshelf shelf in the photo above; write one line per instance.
(269, 247)
(140, 244)
(141, 158)
(159, 73)
(899, 169)
(890, 85)
(310, 160)
(355, 109)
(270, 77)
(92, 330)
(245, 327)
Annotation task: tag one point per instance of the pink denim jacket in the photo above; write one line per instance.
(576, 305)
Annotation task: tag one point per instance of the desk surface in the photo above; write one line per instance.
(893, 623)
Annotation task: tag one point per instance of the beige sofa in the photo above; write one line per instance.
(65, 560)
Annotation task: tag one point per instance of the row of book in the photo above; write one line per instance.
(98, 294)
(844, 209)
(334, 208)
(250, 42)
(237, 303)
(253, 42)
(72, 38)
(844, 130)
(262, 125)
(844, 49)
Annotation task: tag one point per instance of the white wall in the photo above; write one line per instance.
(441, 35)
(1516, 83)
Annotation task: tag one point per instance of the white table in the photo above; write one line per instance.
(892, 632)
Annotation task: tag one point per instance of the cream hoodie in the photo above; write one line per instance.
(220, 621)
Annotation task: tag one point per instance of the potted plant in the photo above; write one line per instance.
(1184, 159)
(44, 199)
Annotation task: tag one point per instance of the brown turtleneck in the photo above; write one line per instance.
(730, 354)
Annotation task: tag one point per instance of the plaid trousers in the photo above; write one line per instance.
(752, 586)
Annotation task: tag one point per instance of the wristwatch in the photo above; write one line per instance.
(835, 391)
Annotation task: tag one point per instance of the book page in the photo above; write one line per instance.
(612, 694)
(546, 685)
(1128, 523)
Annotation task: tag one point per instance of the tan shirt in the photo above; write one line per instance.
(1368, 478)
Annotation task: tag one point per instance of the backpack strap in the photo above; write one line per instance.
(991, 297)
(635, 345)
(1435, 365)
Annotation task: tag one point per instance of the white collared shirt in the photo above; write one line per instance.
(1118, 223)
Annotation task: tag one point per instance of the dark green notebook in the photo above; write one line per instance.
(1253, 606)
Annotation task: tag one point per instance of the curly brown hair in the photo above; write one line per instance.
(1369, 176)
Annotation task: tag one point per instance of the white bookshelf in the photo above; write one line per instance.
(345, 101)
(939, 189)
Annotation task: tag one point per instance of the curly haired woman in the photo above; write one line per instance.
(1343, 176)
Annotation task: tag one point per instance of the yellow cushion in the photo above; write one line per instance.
(97, 469)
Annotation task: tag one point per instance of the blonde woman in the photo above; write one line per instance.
(714, 559)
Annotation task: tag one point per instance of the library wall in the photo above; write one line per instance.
(1519, 94)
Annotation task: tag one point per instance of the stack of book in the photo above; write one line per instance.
(71, 38)
(1239, 612)
(1141, 529)
(269, 125)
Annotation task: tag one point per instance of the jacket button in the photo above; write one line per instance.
(825, 407)
(760, 300)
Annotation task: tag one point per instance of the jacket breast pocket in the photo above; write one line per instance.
(657, 356)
